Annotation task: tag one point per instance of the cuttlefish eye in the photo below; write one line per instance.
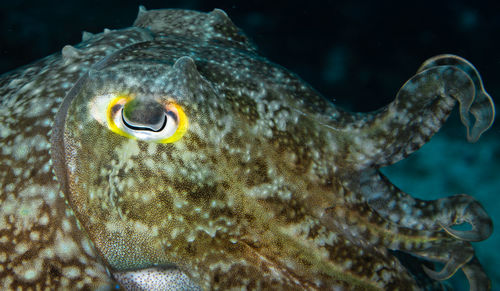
(148, 120)
(148, 115)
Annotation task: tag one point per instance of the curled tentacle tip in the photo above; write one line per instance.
(474, 214)
(484, 112)
(479, 104)
(439, 276)
(457, 259)
(469, 235)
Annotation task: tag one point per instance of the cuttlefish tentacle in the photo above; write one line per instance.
(399, 207)
(467, 209)
(481, 106)
(421, 107)
(458, 255)
(365, 224)
(454, 254)
(449, 269)
(478, 280)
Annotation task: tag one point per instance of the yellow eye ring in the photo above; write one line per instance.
(182, 123)
(175, 123)
(113, 107)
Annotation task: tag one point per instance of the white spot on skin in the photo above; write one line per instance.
(44, 219)
(394, 217)
(3, 257)
(5, 132)
(30, 274)
(71, 272)
(152, 149)
(34, 235)
(87, 248)
(47, 253)
(347, 264)
(28, 271)
(65, 247)
(141, 227)
(66, 226)
(21, 248)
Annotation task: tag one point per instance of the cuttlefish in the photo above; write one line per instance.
(171, 155)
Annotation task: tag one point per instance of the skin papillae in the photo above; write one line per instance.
(226, 171)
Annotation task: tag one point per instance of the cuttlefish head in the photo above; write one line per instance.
(156, 163)
(137, 149)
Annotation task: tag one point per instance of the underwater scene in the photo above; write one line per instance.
(306, 157)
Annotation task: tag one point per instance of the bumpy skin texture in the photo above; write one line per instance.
(270, 187)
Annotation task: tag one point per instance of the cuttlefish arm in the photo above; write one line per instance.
(390, 134)
(420, 108)
(480, 104)
(422, 105)
(435, 215)
(366, 224)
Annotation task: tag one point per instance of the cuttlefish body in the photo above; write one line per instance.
(170, 155)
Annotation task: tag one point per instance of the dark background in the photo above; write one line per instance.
(357, 53)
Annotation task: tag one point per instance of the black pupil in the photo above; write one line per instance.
(139, 115)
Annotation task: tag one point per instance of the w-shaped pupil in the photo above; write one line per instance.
(144, 115)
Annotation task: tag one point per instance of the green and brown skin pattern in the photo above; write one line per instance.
(270, 187)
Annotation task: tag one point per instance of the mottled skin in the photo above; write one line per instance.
(270, 187)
